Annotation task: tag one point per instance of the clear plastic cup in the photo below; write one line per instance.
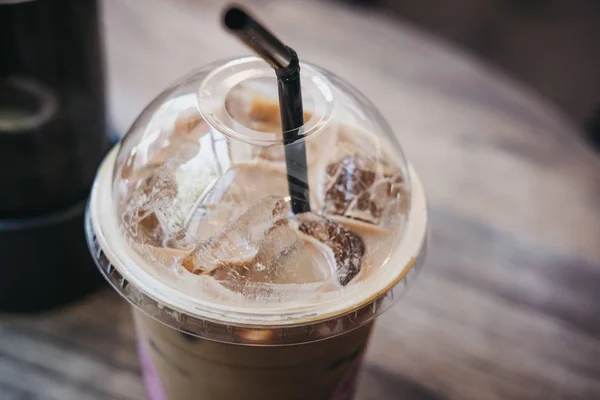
(233, 296)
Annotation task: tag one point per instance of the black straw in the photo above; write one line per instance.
(284, 61)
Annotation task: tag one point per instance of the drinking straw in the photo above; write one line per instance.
(284, 61)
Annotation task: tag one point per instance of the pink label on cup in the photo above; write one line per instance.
(154, 387)
(347, 387)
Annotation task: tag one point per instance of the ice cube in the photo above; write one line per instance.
(258, 252)
(145, 215)
(281, 259)
(237, 243)
(344, 248)
(378, 241)
(165, 194)
(151, 205)
(364, 189)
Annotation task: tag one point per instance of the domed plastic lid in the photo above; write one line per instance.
(199, 208)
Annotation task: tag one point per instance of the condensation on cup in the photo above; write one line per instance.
(234, 296)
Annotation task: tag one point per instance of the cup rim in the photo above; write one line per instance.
(129, 262)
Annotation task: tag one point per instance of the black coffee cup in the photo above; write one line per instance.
(53, 135)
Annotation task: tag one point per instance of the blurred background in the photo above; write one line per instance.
(551, 45)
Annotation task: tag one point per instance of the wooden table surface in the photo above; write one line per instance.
(508, 305)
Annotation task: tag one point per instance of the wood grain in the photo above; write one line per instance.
(507, 306)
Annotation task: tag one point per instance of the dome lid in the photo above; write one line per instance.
(200, 198)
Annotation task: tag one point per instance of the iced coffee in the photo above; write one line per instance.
(235, 296)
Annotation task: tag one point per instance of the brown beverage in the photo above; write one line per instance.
(192, 368)
(235, 297)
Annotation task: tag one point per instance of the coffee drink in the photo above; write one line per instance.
(235, 296)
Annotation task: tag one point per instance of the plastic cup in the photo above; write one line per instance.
(205, 338)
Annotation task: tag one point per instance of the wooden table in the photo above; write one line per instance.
(508, 306)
